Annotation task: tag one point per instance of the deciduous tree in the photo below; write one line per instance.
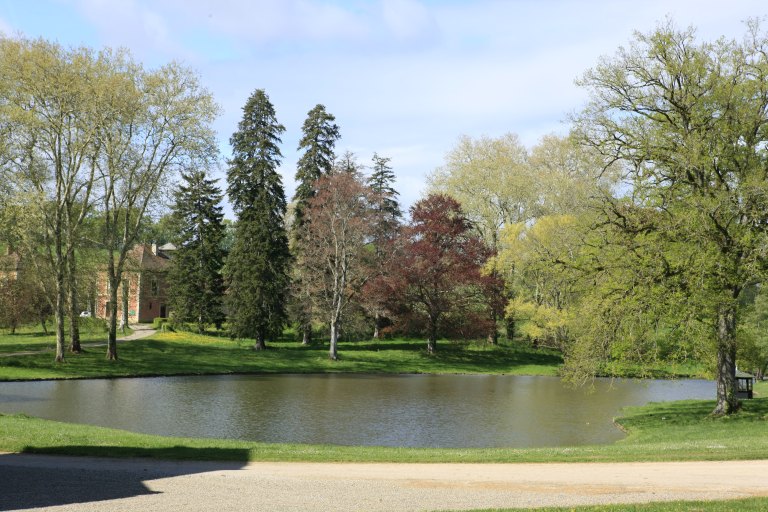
(686, 121)
(441, 262)
(334, 254)
(160, 125)
(51, 112)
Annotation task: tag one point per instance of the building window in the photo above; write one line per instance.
(154, 286)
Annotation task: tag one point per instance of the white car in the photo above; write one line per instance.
(85, 314)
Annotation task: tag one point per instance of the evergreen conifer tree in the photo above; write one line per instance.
(320, 134)
(258, 263)
(381, 182)
(386, 217)
(196, 282)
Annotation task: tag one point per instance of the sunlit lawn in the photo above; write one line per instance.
(657, 432)
(183, 353)
(33, 338)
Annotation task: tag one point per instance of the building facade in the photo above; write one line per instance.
(144, 287)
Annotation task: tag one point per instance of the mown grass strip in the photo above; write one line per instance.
(672, 431)
(192, 354)
(743, 505)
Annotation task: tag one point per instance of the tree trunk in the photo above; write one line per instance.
(124, 314)
(74, 323)
(376, 323)
(432, 339)
(306, 334)
(112, 307)
(61, 300)
(727, 403)
(43, 322)
(260, 343)
(510, 328)
(334, 354)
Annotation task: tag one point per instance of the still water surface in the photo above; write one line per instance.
(401, 410)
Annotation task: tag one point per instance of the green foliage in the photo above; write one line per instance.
(196, 283)
(753, 335)
(685, 120)
(258, 263)
(319, 136)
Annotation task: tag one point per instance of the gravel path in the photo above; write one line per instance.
(88, 484)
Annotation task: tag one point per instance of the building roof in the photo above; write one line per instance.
(141, 256)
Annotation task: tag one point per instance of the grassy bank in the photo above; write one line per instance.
(33, 338)
(657, 432)
(743, 505)
(172, 353)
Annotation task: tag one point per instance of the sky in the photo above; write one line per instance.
(404, 78)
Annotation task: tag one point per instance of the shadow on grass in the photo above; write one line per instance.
(32, 481)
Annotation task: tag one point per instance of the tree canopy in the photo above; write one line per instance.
(686, 122)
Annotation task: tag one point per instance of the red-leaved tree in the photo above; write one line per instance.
(440, 264)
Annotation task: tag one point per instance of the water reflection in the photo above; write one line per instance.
(407, 410)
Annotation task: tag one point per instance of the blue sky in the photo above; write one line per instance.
(404, 78)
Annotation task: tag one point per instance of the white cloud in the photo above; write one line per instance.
(5, 28)
(408, 20)
(404, 78)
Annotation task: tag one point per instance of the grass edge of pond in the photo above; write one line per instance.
(665, 431)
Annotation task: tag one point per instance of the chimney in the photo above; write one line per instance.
(154, 249)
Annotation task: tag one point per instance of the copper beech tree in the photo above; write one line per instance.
(334, 255)
(440, 266)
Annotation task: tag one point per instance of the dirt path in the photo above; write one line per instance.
(88, 484)
(139, 331)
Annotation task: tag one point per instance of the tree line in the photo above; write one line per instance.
(639, 237)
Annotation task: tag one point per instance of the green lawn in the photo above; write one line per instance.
(172, 353)
(657, 432)
(743, 505)
(32, 338)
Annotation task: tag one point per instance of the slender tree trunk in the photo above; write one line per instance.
(74, 313)
(510, 321)
(112, 306)
(260, 341)
(59, 314)
(376, 324)
(493, 336)
(306, 329)
(727, 403)
(432, 339)
(43, 322)
(334, 352)
(124, 298)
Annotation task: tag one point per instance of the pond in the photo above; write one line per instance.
(374, 410)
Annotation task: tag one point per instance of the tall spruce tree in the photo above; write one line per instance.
(386, 217)
(320, 134)
(318, 141)
(196, 283)
(258, 264)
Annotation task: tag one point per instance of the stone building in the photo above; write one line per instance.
(145, 283)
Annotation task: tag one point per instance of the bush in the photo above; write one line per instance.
(158, 322)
